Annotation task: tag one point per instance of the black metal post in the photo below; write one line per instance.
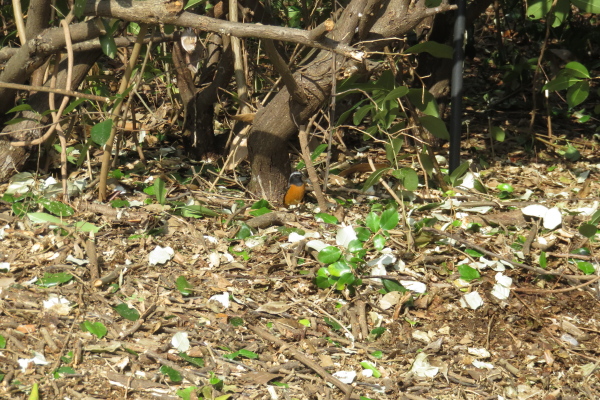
(456, 85)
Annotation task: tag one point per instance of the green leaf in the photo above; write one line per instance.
(262, 203)
(393, 148)
(373, 222)
(571, 153)
(119, 203)
(595, 218)
(244, 232)
(389, 219)
(424, 101)
(408, 178)
(434, 48)
(396, 93)
(42, 218)
(192, 3)
(362, 234)
(247, 354)
(361, 113)
(21, 107)
(355, 245)
(324, 282)
(79, 7)
(498, 134)
(377, 354)
(83, 226)
(582, 251)
(542, 260)
(578, 70)
(50, 280)
(57, 208)
(368, 365)
(588, 230)
(561, 82)
(379, 242)
(101, 132)
(586, 267)
(578, 93)
(173, 374)
(339, 268)
(326, 218)
(73, 105)
(197, 361)
(426, 162)
(60, 372)
(35, 392)
(334, 325)
(378, 331)
(473, 253)
(458, 173)
(159, 191)
(538, 8)
(393, 286)
(479, 186)
(374, 178)
(2, 342)
(108, 45)
(133, 28)
(197, 211)
(183, 285)
(260, 211)
(505, 187)
(236, 321)
(95, 328)
(329, 255)
(435, 126)
(587, 6)
(468, 273)
(124, 311)
(186, 393)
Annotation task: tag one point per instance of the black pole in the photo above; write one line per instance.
(456, 85)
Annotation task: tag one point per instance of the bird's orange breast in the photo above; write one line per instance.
(294, 195)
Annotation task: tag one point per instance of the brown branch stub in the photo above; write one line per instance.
(321, 30)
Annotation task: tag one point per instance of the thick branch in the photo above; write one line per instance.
(34, 54)
(286, 75)
(154, 12)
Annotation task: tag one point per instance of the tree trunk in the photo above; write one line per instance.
(279, 121)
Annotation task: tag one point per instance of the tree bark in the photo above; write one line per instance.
(35, 52)
(12, 158)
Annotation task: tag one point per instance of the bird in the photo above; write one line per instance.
(296, 190)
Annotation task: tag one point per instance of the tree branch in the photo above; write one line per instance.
(35, 51)
(154, 12)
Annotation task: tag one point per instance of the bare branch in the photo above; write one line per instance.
(35, 51)
(154, 12)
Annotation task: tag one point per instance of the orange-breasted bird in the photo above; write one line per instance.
(296, 189)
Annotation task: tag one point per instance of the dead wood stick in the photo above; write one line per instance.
(304, 360)
(545, 291)
(91, 251)
(269, 219)
(114, 274)
(310, 167)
